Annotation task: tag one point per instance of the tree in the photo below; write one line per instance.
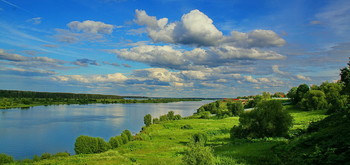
(4, 158)
(301, 91)
(147, 120)
(292, 94)
(125, 138)
(345, 78)
(170, 115)
(337, 101)
(115, 142)
(88, 145)
(128, 134)
(268, 119)
(236, 108)
(266, 95)
(314, 100)
(199, 155)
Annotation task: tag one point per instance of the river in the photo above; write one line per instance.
(52, 129)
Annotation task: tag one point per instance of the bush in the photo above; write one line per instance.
(4, 158)
(236, 108)
(147, 120)
(187, 126)
(61, 154)
(36, 158)
(124, 138)
(200, 138)
(268, 119)
(46, 156)
(177, 117)
(156, 121)
(163, 118)
(314, 100)
(170, 115)
(198, 155)
(128, 134)
(88, 145)
(115, 142)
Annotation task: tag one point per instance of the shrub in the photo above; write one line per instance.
(170, 115)
(147, 120)
(198, 155)
(36, 158)
(46, 156)
(177, 117)
(61, 154)
(128, 134)
(204, 115)
(88, 145)
(115, 142)
(124, 138)
(187, 126)
(236, 108)
(163, 118)
(156, 121)
(4, 158)
(314, 100)
(200, 138)
(268, 119)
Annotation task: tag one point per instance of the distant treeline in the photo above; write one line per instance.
(53, 95)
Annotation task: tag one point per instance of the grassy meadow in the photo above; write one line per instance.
(165, 143)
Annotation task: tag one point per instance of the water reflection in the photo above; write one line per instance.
(53, 129)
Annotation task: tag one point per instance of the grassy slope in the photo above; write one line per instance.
(164, 143)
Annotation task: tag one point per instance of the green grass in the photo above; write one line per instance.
(165, 143)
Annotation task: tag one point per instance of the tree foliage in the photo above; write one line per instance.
(88, 145)
(236, 108)
(268, 119)
(4, 158)
(147, 120)
(314, 100)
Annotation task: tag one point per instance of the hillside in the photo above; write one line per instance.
(165, 143)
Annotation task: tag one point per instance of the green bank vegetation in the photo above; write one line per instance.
(26, 99)
(313, 129)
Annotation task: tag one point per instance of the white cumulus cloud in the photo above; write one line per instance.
(89, 26)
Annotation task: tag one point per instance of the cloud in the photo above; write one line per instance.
(89, 26)
(108, 78)
(127, 65)
(336, 15)
(93, 31)
(26, 72)
(196, 28)
(36, 20)
(315, 22)
(11, 57)
(50, 46)
(85, 62)
(301, 77)
(168, 57)
(275, 69)
(158, 74)
(256, 38)
(113, 63)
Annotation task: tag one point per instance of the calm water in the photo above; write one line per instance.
(53, 129)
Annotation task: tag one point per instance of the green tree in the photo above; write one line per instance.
(345, 78)
(170, 115)
(314, 100)
(266, 95)
(292, 95)
(268, 119)
(156, 121)
(337, 101)
(177, 117)
(88, 145)
(4, 158)
(301, 91)
(198, 154)
(125, 138)
(85, 145)
(147, 120)
(128, 134)
(236, 108)
(114, 142)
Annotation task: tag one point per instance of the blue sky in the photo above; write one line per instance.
(172, 48)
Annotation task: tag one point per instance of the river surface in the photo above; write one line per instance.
(52, 129)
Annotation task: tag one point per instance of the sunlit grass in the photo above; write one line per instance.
(165, 143)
